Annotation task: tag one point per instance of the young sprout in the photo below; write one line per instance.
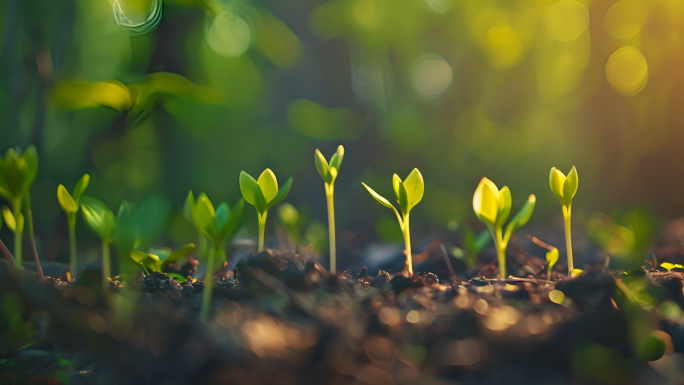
(492, 207)
(101, 220)
(17, 172)
(263, 194)
(70, 204)
(217, 226)
(409, 193)
(551, 255)
(158, 262)
(670, 266)
(329, 173)
(565, 189)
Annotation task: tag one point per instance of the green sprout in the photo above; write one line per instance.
(263, 194)
(70, 204)
(329, 173)
(565, 189)
(409, 193)
(101, 220)
(158, 262)
(492, 207)
(551, 255)
(670, 266)
(17, 172)
(217, 226)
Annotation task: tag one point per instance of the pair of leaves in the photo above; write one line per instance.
(13, 222)
(216, 224)
(408, 192)
(493, 206)
(263, 193)
(69, 202)
(99, 218)
(17, 172)
(670, 266)
(328, 171)
(158, 263)
(564, 187)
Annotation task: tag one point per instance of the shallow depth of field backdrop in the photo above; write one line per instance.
(460, 89)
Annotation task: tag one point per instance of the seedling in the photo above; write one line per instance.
(217, 226)
(409, 193)
(492, 207)
(263, 194)
(551, 255)
(158, 262)
(670, 266)
(329, 173)
(101, 220)
(70, 204)
(565, 189)
(17, 172)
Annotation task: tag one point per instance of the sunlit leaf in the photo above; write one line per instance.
(9, 218)
(523, 215)
(80, 188)
(378, 197)
(415, 187)
(178, 254)
(282, 193)
(98, 217)
(177, 277)
(252, 192)
(65, 200)
(403, 200)
(336, 160)
(485, 202)
(552, 258)
(570, 187)
(269, 184)
(556, 181)
(504, 202)
(78, 94)
(322, 166)
(396, 182)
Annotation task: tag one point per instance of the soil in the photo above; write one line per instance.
(280, 319)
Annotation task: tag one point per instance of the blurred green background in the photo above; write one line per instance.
(460, 89)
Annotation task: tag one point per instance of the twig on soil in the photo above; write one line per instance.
(7, 253)
(446, 259)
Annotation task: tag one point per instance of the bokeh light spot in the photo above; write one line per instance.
(228, 35)
(431, 76)
(566, 20)
(625, 18)
(413, 316)
(627, 70)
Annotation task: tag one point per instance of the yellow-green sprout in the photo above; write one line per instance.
(408, 192)
(329, 173)
(71, 204)
(263, 194)
(492, 207)
(565, 189)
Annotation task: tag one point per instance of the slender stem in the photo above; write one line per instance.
(262, 230)
(208, 285)
(29, 213)
(568, 238)
(73, 261)
(331, 228)
(501, 252)
(549, 271)
(106, 263)
(7, 253)
(18, 232)
(407, 242)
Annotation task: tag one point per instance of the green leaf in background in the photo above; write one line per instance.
(203, 215)
(126, 237)
(177, 255)
(80, 188)
(77, 94)
(9, 218)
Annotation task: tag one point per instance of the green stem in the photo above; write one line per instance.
(208, 285)
(407, 242)
(501, 252)
(29, 213)
(18, 232)
(567, 210)
(331, 228)
(262, 230)
(73, 261)
(106, 263)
